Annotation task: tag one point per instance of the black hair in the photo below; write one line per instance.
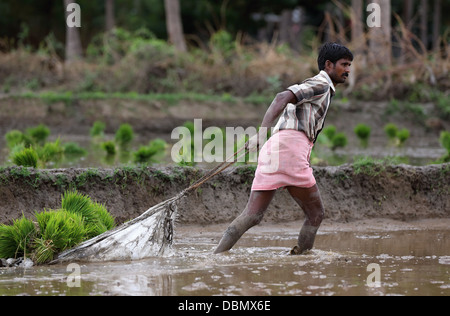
(332, 52)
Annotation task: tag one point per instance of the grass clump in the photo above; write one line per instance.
(147, 154)
(78, 219)
(124, 135)
(59, 230)
(15, 240)
(362, 131)
(26, 157)
(444, 139)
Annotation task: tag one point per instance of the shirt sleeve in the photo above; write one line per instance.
(309, 89)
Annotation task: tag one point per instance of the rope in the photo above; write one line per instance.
(218, 169)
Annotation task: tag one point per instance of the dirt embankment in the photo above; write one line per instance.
(395, 192)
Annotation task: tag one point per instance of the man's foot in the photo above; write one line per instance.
(295, 251)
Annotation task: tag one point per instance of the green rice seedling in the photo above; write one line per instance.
(403, 136)
(15, 239)
(59, 230)
(109, 147)
(445, 142)
(26, 157)
(14, 138)
(143, 154)
(391, 131)
(98, 129)
(338, 140)
(51, 152)
(330, 131)
(147, 153)
(362, 131)
(77, 203)
(124, 135)
(444, 139)
(8, 244)
(73, 149)
(104, 216)
(38, 134)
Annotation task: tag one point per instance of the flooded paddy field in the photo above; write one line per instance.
(370, 257)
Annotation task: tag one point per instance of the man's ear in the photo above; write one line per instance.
(329, 65)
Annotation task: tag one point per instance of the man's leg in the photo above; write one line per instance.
(310, 201)
(251, 216)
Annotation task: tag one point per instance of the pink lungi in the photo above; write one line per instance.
(284, 161)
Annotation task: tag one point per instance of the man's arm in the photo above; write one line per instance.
(275, 109)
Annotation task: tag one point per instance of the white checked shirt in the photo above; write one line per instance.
(308, 114)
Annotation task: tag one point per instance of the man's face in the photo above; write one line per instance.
(340, 71)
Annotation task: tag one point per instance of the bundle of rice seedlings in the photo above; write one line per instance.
(38, 134)
(77, 203)
(15, 239)
(60, 230)
(97, 219)
(26, 157)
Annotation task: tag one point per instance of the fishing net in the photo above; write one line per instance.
(148, 235)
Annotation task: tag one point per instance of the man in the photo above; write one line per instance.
(303, 108)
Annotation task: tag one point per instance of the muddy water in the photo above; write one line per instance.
(412, 260)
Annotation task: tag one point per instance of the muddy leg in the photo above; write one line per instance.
(311, 203)
(251, 216)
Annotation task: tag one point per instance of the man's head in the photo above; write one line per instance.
(335, 60)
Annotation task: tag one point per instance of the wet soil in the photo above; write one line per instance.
(398, 192)
(367, 257)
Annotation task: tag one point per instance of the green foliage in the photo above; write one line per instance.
(15, 137)
(77, 203)
(51, 152)
(124, 135)
(330, 131)
(74, 149)
(362, 131)
(109, 147)
(26, 157)
(391, 130)
(59, 230)
(38, 134)
(55, 231)
(367, 165)
(403, 135)
(146, 153)
(445, 142)
(96, 218)
(15, 239)
(396, 137)
(339, 140)
(98, 129)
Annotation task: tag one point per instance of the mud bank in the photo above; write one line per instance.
(395, 192)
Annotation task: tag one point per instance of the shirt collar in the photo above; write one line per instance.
(325, 75)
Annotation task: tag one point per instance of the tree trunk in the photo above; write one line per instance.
(436, 24)
(110, 22)
(174, 24)
(73, 42)
(380, 37)
(424, 22)
(381, 44)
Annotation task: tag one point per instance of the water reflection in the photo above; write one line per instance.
(411, 263)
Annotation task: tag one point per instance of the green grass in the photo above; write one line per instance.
(56, 230)
(26, 157)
